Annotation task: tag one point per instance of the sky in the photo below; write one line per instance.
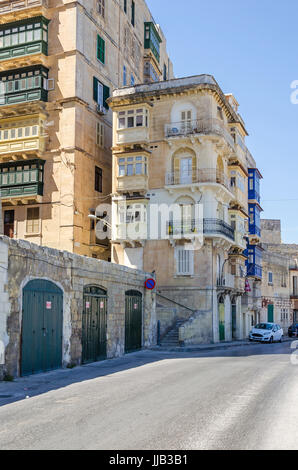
(251, 48)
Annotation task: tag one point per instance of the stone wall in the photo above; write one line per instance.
(21, 261)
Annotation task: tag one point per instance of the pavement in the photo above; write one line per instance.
(233, 398)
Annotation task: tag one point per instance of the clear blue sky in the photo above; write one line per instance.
(251, 48)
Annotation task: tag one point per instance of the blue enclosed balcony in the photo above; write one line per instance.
(254, 261)
(254, 177)
(254, 225)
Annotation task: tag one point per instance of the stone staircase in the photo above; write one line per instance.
(171, 339)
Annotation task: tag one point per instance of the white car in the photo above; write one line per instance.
(266, 333)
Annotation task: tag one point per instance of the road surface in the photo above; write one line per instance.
(239, 398)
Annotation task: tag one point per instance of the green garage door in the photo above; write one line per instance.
(133, 321)
(94, 327)
(41, 327)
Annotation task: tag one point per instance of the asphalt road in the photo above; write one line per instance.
(240, 398)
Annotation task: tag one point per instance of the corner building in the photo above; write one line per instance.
(182, 141)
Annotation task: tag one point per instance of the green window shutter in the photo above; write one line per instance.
(106, 95)
(95, 89)
(101, 49)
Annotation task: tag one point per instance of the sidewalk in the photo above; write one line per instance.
(214, 346)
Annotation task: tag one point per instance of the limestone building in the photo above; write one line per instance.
(181, 143)
(279, 285)
(59, 62)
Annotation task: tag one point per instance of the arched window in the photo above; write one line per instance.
(184, 167)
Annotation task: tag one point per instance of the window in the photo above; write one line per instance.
(270, 277)
(98, 179)
(101, 45)
(100, 93)
(133, 118)
(101, 7)
(219, 113)
(125, 5)
(132, 80)
(124, 76)
(132, 12)
(130, 166)
(32, 225)
(283, 280)
(165, 72)
(37, 77)
(100, 134)
(132, 213)
(184, 262)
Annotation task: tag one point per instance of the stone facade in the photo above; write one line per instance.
(276, 283)
(22, 262)
(90, 47)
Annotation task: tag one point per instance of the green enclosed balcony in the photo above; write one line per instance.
(24, 85)
(152, 39)
(22, 180)
(23, 38)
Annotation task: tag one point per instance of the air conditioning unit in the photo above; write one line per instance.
(101, 109)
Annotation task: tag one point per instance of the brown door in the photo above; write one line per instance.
(9, 223)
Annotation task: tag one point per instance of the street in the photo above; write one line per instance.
(239, 398)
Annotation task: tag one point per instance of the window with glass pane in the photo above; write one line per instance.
(32, 225)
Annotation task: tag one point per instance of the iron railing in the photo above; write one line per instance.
(208, 227)
(206, 175)
(199, 126)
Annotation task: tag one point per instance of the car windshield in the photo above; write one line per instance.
(264, 326)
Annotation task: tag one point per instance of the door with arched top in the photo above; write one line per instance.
(94, 325)
(42, 327)
(133, 320)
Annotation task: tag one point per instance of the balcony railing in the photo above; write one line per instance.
(199, 126)
(228, 281)
(210, 227)
(207, 175)
(218, 227)
(12, 6)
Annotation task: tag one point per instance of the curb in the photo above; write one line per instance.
(211, 347)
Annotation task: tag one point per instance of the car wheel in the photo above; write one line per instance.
(271, 340)
(280, 339)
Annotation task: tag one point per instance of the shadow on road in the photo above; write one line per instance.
(25, 387)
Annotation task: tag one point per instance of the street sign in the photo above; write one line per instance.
(48, 305)
(150, 284)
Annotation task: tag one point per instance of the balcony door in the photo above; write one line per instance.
(186, 171)
(9, 223)
(186, 117)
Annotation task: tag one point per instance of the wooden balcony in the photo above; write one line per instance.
(10, 10)
(131, 232)
(22, 182)
(133, 135)
(135, 183)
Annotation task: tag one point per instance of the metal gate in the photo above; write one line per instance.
(94, 326)
(42, 328)
(133, 321)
